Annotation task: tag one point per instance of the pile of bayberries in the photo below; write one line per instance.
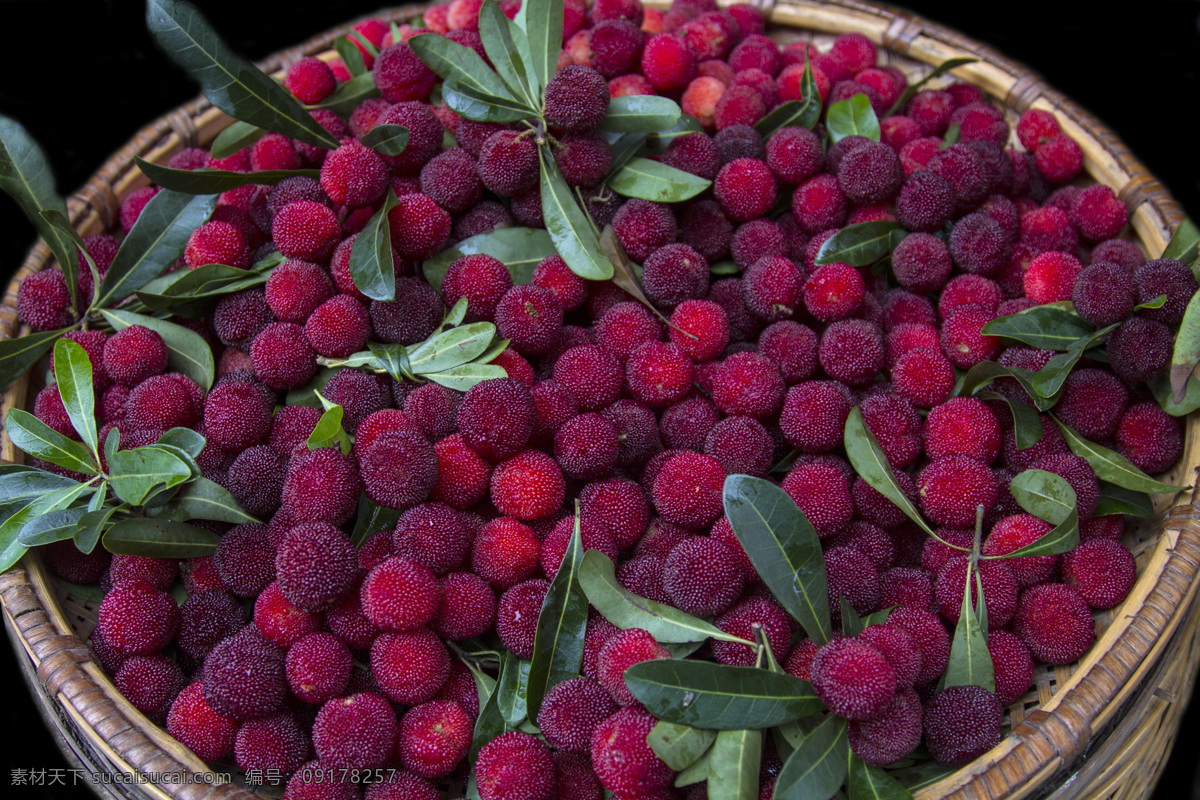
(737, 453)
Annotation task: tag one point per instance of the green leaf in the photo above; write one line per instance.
(867, 782)
(985, 372)
(1062, 538)
(482, 107)
(11, 548)
(93, 524)
(1113, 467)
(306, 395)
(784, 549)
(803, 113)
(542, 21)
(511, 690)
(463, 377)
(704, 694)
(237, 136)
(73, 374)
(852, 623)
(734, 765)
(156, 241)
(26, 177)
(39, 440)
(624, 148)
(640, 113)
(490, 723)
(697, 772)
(451, 348)
(626, 610)
(625, 272)
(569, 226)
(26, 484)
(1164, 394)
(371, 265)
(215, 181)
(1118, 500)
(869, 462)
(351, 56)
(493, 350)
(370, 519)
(159, 538)
(18, 355)
(653, 180)
(1185, 244)
(1044, 495)
(461, 65)
(521, 249)
(135, 474)
(561, 624)
(658, 141)
(195, 292)
(970, 662)
(187, 352)
(63, 226)
(679, 746)
(724, 268)
(185, 439)
(818, 766)
(204, 499)
(388, 140)
(1027, 424)
(329, 433)
(1048, 380)
(230, 82)
(860, 245)
(50, 527)
(499, 42)
(852, 117)
(350, 95)
(1187, 350)
(1043, 327)
(937, 71)
(1157, 302)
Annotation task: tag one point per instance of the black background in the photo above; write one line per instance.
(83, 76)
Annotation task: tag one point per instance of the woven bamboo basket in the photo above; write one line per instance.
(1099, 728)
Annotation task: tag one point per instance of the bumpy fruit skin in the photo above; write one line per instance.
(355, 732)
(1055, 623)
(621, 757)
(136, 619)
(515, 766)
(890, 734)
(194, 723)
(400, 595)
(962, 723)
(687, 490)
(244, 676)
(315, 566)
(433, 738)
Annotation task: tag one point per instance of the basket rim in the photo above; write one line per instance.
(1044, 745)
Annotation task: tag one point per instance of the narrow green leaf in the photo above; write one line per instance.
(569, 227)
(852, 623)
(1119, 500)
(655, 181)
(1187, 350)
(482, 107)
(393, 358)
(159, 538)
(93, 524)
(462, 65)
(185, 439)
(1185, 243)
(371, 264)
(26, 484)
(134, 474)
(970, 662)
(859, 245)
(18, 355)
(704, 694)
(39, 440)
(496, 32)
(329, 433)
(561, 624)
(73, 374)
(50, 527)
(869, 461)
(626, 610)
(363, 42)
(490, 723)
(983, 373)
(451, 348)
(1112, 466)
(625, 272)
(658, 141)
(26, 177)
(734, 765)
(803, 113)
(511, 691)
(817, 767)
(679, 746)
(112, 442)
(1027, 424)
(640, 113)
(388, 140)
(351, 56)
(370, 519)
(1062, 538)
(187, 352)
(156, 241)
(867, 782)
(1048, 380)
(350, 95)
(521, 249)
(66, 230)
(463, 377)
(913, 88)
(624, 148)
(237, 136)
(784, 549)
(696, 772)
(1164, 394)
(1157, 302)
(1044, 495)
(542, 21)
(724, 268)
(877, 617)
(494, 349)
(1043, 327)
(230, 82)
(215, 181)
(852, 117)
(204, 499)
(456, 314)
(11, 548)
